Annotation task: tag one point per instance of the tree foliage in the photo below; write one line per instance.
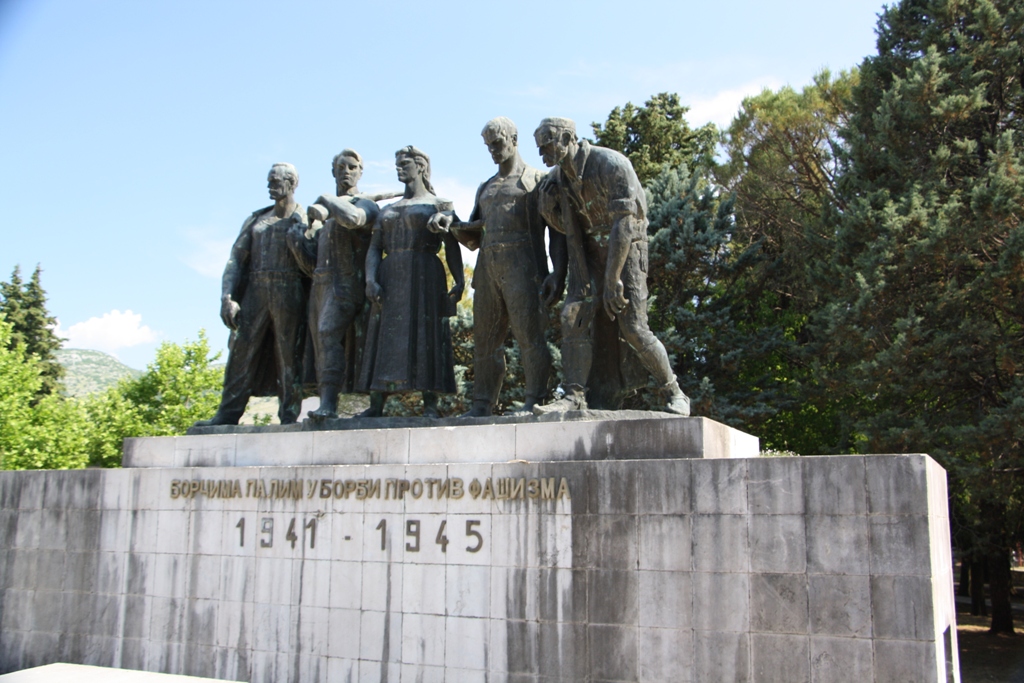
(656, 134)
(58, 432)
(927, 320)
(179, 387)
(866, 294)
(24, 306)
(785, 160)
(36, 432)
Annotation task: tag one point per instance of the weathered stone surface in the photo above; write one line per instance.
(838, 544)
(902, 660)
(779, 657)
(901, 607)
(721, 656)
(840, 605)
(779, 603)
(668, 655)
(835, 486)
(840, 660)
(778, 543)
(775, 486)
(647, 570)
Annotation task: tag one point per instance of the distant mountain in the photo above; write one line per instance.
(89, 372)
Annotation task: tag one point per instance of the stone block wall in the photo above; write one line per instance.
(820, 569)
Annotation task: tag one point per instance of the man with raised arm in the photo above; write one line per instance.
(511, 280)
(335, 257)
(263, 302)
(594, 196)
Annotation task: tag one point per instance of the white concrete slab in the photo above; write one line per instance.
(66, 673)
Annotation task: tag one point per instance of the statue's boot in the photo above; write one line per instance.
(567, 397)
(480, 408)
(328, 409)
(526, 409)
(430, 405)
(376, 408)
(219, 418)
(678, 402)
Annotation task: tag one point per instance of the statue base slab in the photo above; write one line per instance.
(578, 435)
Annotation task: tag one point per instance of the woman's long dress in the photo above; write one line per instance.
(408, 340)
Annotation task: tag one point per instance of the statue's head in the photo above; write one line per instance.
(412, 163)
(555, 138)
(501, 137)
(347, 168)
(282, 180)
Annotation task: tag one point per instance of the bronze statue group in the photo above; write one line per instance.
(296, 275)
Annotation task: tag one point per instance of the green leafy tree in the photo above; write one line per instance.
(19, 383)
(24, 307)
(927, 320)
(178, 388)
(47, 432)
(657, 134)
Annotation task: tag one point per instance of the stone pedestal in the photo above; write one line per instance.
(587, 435)
(664, 565)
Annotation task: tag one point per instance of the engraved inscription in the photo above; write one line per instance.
(455, 488)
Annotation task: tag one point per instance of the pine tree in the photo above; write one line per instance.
(656, 135)
(928, 319)
(24, 307)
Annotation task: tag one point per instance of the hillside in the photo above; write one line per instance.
(89, 372)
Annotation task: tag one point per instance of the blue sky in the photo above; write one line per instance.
(136, 136)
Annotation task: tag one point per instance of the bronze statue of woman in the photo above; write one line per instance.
(408, 343)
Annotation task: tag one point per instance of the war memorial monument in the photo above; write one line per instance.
(564, 540)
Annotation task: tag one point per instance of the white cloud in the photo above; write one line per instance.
(109, 332)
(721, 107)
(209, 253)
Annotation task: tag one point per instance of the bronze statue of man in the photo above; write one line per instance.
(263, 302)
(593, 195)
(335, 257)
(511, 280)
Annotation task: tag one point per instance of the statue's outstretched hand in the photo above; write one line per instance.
(440, 222)
(316, 212)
